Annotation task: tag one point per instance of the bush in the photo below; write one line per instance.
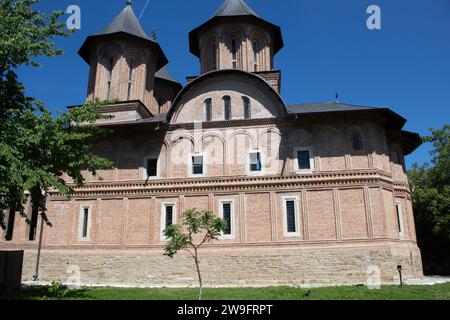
(58, 290)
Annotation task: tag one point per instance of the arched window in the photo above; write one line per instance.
(208, 110)
(132, 64)
(247, 110)
(227, 107)
(356, 140)
(256, 48)
(214, 57)
(109, 68)
(234, 55)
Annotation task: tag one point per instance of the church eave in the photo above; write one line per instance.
(85, 49)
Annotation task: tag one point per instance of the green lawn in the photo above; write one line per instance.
(437, 292)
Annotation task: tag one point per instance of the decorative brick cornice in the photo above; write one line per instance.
(302, 244)
(137, 106)
(342, 179)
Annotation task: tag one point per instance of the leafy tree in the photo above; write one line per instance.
(431, 200)
(36, 147)
(205, 224)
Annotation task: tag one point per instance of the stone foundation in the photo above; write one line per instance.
(222, 267)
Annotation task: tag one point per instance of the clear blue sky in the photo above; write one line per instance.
(404, 66)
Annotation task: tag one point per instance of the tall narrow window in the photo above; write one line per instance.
(197, 165)
(234, 53)
(247, 111)
(255, 46)
(226, 207)
(226, 210)
(10, 227)
(255, 162)
(214, 57)
(130, 79)
(398, 211)
(227, 107)
(108, 84)
(168, 217)
(356, 140)
(85, 223)
(290, 220)
(160, 103)
(151, 168)
(208, 110)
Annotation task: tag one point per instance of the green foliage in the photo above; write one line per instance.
(26, 33)
(194, 222)
(58, 290)
(37, 147)
(423, 292)
(183, 237)
(430, 185)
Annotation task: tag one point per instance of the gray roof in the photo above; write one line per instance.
(323, 107)
(235, 8)
(125, 23)
(164, 74)
(394, 119)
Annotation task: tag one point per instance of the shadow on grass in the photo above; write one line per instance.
(42, 293)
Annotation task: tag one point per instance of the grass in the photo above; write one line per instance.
(436, 292)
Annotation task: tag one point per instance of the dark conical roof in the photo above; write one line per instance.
(125, 23)
(235, 9)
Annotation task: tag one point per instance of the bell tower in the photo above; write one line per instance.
(236, 38)
(123, 60)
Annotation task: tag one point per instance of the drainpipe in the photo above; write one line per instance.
(399, 268)
(38, 259)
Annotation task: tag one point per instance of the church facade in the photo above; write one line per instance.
(313, 193)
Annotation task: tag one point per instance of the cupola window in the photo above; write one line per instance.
(247, 111)
(208, 110)
(160, 103)
(356, 140)
(255, 46)
(234, 53)
(227, 107)
(214, 57)
(130, 78)
(109, 78)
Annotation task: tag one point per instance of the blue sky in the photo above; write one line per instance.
(404, 66)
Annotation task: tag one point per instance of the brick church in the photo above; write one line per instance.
(312, 192)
